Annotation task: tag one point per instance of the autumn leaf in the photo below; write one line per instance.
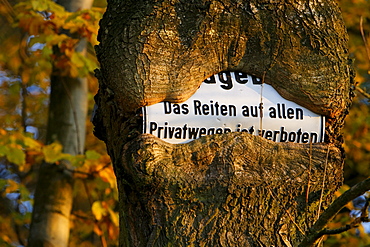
(98, 210)
(92, 155)
(114, 217)
(107, 175)
(32, 143)
(16, 155)
(53, 153)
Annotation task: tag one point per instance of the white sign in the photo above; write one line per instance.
(234, 101)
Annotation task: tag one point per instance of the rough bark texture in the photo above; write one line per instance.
(163, 50)
(232, 189)
(223, 190)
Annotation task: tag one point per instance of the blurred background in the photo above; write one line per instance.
(38, 40)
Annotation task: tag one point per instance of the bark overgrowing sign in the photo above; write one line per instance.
(234, 101)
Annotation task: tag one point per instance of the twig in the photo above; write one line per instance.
(309, 178)
(260, 120)
(261, 102)
(315, 231)
(309, 172)
(367, 95)
(323, 183)
(368, 56)
(82, 217)
(282, 205)
(289, 215)
(354, 224)
(364, 38)
(9, 13)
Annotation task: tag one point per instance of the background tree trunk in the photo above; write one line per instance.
(66, 125)
(232, 189)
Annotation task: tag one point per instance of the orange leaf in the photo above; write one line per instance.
(97, 230)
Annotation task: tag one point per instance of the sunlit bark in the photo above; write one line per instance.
(232, 189)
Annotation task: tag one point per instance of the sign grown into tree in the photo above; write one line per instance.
(234, 102)
(234, 188)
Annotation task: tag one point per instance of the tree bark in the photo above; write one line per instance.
(232, 189)
(66, 125)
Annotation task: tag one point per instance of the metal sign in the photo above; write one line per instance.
(234, 101)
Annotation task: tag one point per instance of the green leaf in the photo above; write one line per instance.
(3, 183)
(53, 153)
(14, 88)
(47, 51)
(77, 160)
(16, 156)
(25, 194)
(92, 155)
(39, 5)
(91, 64)
(3, 150)
(47, 5)
(31, 143)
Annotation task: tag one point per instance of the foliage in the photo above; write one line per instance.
(356, 131)
(356, 134)
(92, 170)
(41, 41)
(46, 25)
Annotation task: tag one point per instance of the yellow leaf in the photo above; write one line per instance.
(39, 5)
(114, 217)
(77, 60)
(108, 176)
(12, 186)
(56, 39)
(98, 210)
(31, 143)
(53, 153)
(73, 71)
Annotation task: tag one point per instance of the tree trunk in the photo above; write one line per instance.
(233, 189)
(66, 125)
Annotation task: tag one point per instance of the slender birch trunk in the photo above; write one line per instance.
(66, 125)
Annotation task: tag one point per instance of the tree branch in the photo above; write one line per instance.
(317, 230)
(363, 92)
(364, 38)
